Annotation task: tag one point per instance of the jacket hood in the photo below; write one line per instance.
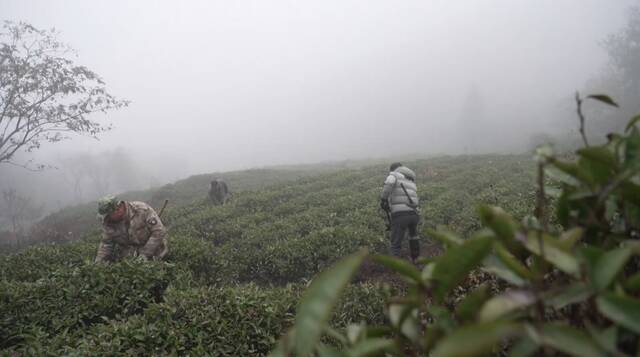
(407, 172)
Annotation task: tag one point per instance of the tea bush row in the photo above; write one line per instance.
(75, 297)
(230, 321)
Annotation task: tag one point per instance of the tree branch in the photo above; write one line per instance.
(581, 117)
(43, 94)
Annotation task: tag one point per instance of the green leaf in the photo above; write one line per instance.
(354, 332)
(372, 346)
(633, 282)
(600, 154)
(589, 256)
(277, 352)
(543, 153)
(524, 347)
(569, 238)
(326, 351)
(474, 340)
(512, 263)
(623, 310)
(495, 266)
(401, 267)
(377, 331)
(403, 317)
(337, 335)
(594, 172)
(468, 308)
(632, 122)
(569, 168)
(453, 266)
(552, 253)
(632, 149)
(609, 266)
(442, 318)
(606, 339)
(449, 239)
(604, 99)
(631, 192)
(563, 208)
(582, 193)
(500, 222)
(567, 295)
(556, 174)
(565, 339)
(552, 191)
(506, 303)
(427, 272)
(284, 345)
(318, 302)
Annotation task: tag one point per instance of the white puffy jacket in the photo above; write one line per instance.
(392, 191)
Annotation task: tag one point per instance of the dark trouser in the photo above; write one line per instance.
(400, 222)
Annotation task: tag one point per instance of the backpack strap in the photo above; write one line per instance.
(411, 203)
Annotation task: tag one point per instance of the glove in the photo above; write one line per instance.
(384, 204)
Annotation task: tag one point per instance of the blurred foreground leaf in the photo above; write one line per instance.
(604, 99)
(453, 267)
(621, 309)
(474, 340)
(318, 302)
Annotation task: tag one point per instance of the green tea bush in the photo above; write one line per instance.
(198, 258)
(76, 297)
(288, 233)
(573, 289)
(265, 240)
(224, 321)
(39, 261)
(230, 321)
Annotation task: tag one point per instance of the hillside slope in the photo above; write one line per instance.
(72, 223)
(236, 271)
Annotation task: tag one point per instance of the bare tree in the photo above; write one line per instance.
(623, 49)
(44, 96)
(18, 209)
(75, 172)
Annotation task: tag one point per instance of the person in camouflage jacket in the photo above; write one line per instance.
(130, 228)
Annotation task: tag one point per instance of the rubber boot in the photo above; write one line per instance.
(414, 248)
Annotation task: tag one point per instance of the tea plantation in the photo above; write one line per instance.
(235, 274)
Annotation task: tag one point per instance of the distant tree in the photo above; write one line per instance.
(621, 78)
(623, 49)
(124, 172)
(43, 94)
(94, 175)
(75, 169)
(18, 209)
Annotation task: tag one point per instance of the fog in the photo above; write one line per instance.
(226, 85)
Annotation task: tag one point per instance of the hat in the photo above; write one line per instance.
(394, 166)
(107, 204)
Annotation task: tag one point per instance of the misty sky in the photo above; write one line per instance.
(221, 85)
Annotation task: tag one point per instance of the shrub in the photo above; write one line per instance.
(77, 297)
(573, 289)
(238, 320)
(39, 261)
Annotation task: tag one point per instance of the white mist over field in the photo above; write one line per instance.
(225, 85)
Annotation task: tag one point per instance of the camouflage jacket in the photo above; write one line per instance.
(140, 233)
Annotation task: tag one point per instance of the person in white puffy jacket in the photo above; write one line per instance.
(399, 197)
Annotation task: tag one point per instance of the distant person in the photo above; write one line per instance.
(130, 228)
(219, 192)
(399, 197)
